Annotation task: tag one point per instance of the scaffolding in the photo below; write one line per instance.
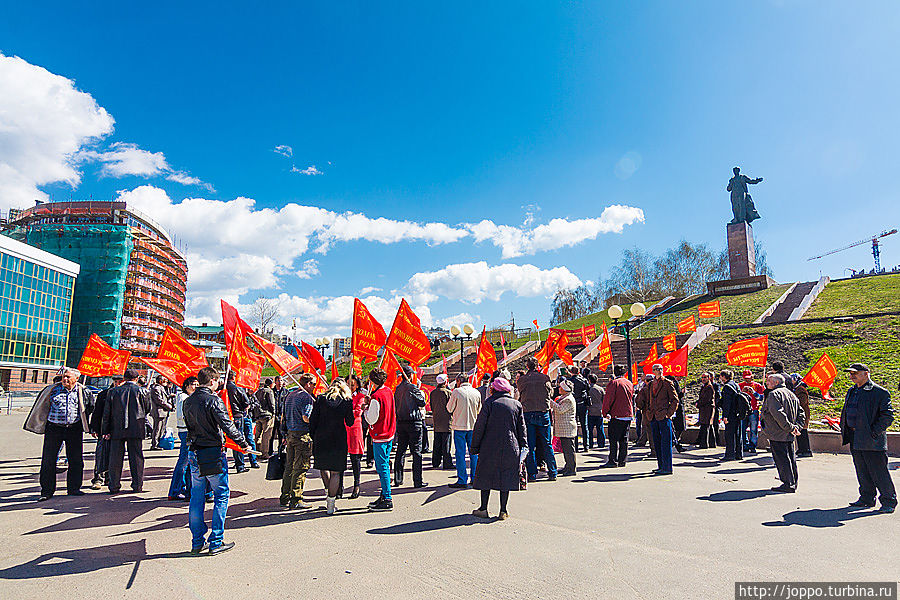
(103, 251)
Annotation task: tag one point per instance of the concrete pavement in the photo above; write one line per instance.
(605, 533)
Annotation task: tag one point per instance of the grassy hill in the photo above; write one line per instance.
(874, 341)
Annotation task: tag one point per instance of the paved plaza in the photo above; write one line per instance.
(602, 534)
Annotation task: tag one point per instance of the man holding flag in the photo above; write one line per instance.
(206, 420)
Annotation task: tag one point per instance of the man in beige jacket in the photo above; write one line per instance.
(463, 406)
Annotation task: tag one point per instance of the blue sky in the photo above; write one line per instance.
(511, 113)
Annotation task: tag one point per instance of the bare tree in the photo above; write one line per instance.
(263, 312)
(568, 305)
(635, 277)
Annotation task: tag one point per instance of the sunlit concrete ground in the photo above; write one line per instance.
(602, 534)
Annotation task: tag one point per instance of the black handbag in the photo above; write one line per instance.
(209, 460)
(275, 466)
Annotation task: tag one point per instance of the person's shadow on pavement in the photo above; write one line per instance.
(822, 517)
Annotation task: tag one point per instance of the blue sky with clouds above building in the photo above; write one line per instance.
(471, 157)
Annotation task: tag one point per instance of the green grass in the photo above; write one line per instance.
(736, 310)
(873, 341)
(858, 296)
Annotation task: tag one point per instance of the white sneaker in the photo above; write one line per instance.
(329, 505)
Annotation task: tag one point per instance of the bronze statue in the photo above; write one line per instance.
(741, 202)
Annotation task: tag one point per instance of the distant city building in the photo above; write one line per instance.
(340, 347)
(205, 331)
(133, 279)
(35, 307)
(437, 332)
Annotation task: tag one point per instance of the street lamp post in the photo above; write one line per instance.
(457, 334)
(615, 313)
(322, 343)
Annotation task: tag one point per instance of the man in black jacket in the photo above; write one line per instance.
(124, 423)
(408, 402)
(206, 420)
(866, 415)
(240, 405)
(730, 392)
(101, 452)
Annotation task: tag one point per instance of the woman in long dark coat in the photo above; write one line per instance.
(500, 443)
(331, 414)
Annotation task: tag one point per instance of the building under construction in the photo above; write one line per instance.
(132, 281)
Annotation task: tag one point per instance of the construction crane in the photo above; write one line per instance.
(876, 247)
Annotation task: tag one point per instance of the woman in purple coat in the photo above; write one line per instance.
(499, 440)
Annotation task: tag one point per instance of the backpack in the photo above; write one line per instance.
(742, 405)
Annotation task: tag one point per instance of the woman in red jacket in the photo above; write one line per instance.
(355, 445)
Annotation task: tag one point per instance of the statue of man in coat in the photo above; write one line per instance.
(741, 202)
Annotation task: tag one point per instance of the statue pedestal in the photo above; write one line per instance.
(741, 265)
(741, 252)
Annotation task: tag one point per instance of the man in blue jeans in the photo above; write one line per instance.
(206, 420)
(240, 404)
(463, 406)
(534, 394)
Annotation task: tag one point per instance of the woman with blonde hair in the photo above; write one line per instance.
(331, 414)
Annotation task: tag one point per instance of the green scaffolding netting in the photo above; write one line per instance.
(103, 252)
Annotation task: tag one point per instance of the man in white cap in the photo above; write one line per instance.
(440, 417)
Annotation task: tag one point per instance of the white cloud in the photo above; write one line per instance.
(123, 159)
(308, 270)
(368, 290)
(284, 150)
(459, 319)
(472, 283)
(44, 122)
(558, 233)
(310, 170)
(185, 179)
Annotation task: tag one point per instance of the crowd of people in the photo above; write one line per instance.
(497, 437)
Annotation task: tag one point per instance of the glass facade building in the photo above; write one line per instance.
(35, 310)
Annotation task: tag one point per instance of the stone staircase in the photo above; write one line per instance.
(784, 309)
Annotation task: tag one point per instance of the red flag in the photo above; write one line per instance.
(634, 375)
(444, 360)
(710, 310)
(753, 352)
(407, 340)
(486, 359)
(536, 325)
(314, 357)
(282, 360)
(229, 443)
(670, 343)
(357, 366)
(648, 362)
(100, 359)
(822, 374)
(307, 366)
(687, 324)
(246, 364)
(391, 367)
(367, 335)
(604, 352)
(173, 370)
(334, 373)
(675, 363)
(561, 349)
(544, 355)
(321, 388)
(175, 347)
